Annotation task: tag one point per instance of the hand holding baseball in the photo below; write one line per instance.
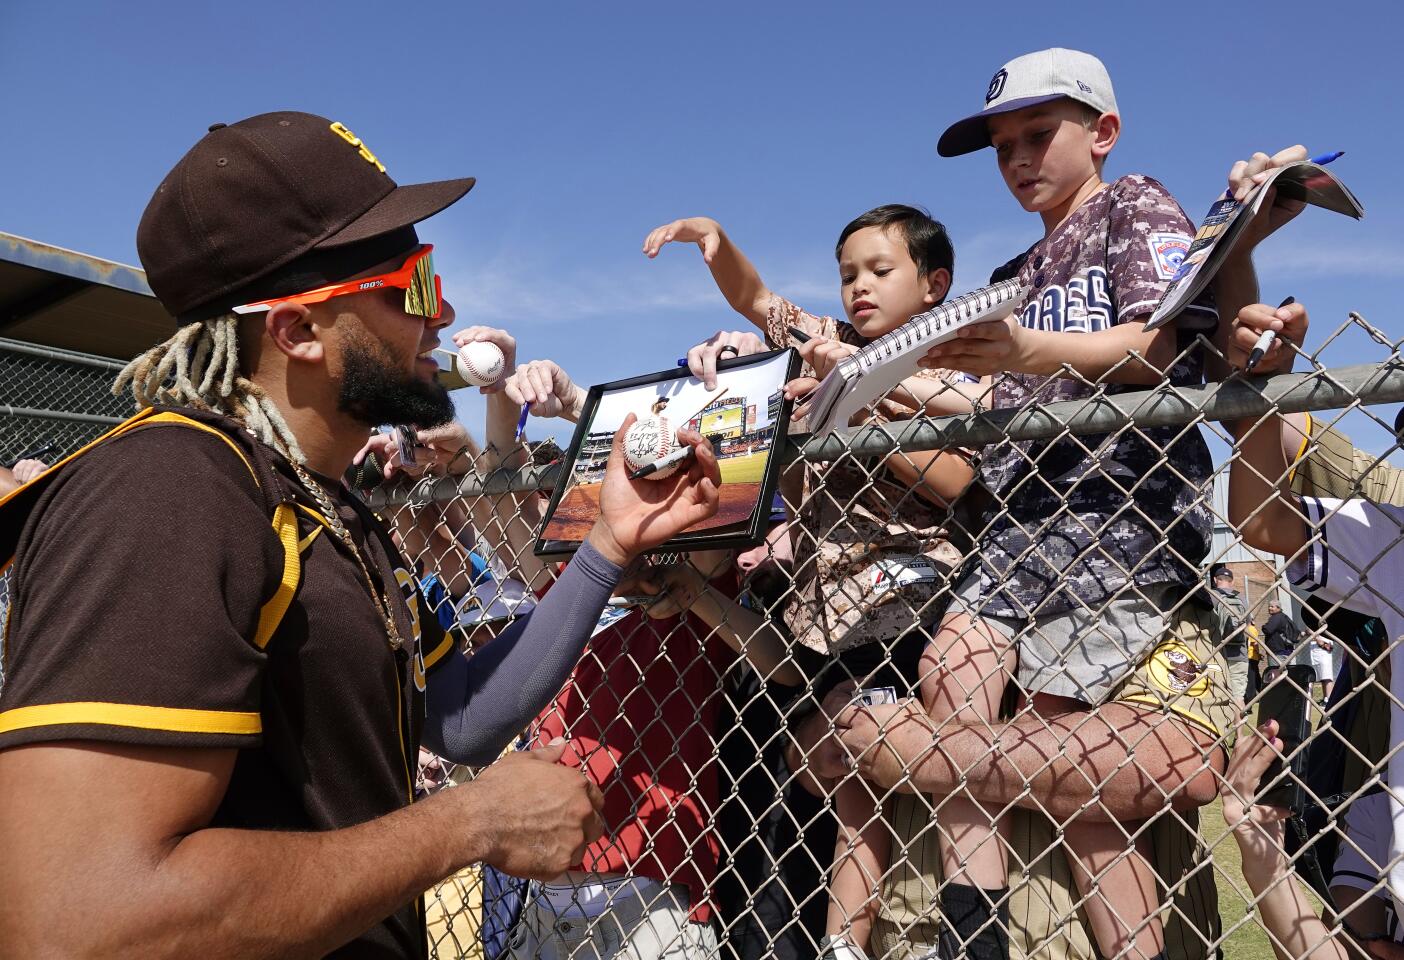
(500, 339)
(636, 515)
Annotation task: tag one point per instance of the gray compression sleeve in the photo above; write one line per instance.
(477, 704)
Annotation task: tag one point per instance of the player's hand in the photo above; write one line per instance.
(27, 470)
(1257, 827)
(703, 231)
(885, 743)
(1244, 175)
(536, 815)
(546, 388)
(823, 354)
(636, 515)
(504, 341)
(982, 349)
(1291, 324)
(702, 359)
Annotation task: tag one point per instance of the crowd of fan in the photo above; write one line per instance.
(1043, 611)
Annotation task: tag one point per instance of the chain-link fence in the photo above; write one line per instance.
(1054, 776)
(1053, 771)
(54, 397)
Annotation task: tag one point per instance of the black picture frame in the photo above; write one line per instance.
(745, 533)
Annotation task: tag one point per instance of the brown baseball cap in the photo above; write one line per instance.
(260, 206)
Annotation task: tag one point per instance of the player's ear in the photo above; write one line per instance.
(290, 327)
(938, 284)
(1105, 134)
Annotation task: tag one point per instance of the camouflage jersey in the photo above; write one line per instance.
(1073, 520)
(873, 559)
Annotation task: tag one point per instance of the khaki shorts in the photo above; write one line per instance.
(1083, 653)
(1186, 675)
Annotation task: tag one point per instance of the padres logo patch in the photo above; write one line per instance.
(1176, 670)
(996, 85)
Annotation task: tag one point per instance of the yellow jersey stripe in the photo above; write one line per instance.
(130, 715)
(438, 652)
(1301, 452)
(285, 526)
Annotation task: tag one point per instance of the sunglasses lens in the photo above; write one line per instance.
(422, 295)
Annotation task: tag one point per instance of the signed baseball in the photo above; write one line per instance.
(480, 363)
(650, 438)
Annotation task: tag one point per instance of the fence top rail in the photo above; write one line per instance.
(55, 353)
(1166, 405)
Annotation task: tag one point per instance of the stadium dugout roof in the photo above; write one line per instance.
(57, 298)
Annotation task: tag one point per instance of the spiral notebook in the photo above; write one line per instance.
(878, 367)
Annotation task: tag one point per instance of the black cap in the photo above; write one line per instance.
(253, 197)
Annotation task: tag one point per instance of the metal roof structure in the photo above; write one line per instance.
(58, 298)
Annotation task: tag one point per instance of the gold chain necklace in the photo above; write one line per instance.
(329, 512)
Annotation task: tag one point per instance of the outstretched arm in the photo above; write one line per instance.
(735, 276)
(1292, 924)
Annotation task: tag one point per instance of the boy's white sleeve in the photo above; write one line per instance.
(1354, 556)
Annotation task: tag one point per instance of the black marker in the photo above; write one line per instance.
(1265, 341)
(677, 456)
(800, 335)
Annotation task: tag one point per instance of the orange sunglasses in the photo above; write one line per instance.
(422, 286)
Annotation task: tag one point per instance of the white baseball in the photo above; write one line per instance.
(650, 438)
(480, 362)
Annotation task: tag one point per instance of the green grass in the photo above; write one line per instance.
(744, 469)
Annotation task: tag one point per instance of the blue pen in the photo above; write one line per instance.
(1320, 161)
(521, 421)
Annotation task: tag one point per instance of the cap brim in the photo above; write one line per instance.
(973, 133)
(401, 207)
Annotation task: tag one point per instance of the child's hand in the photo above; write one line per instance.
(797, 389)
(1257, 827)
(1290, 322)
(704, 232)
(504, 341)
(702, 359)
(981, 349)
(823, 354)
(546, 387)
(1244, 175)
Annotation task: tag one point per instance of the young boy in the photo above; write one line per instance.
(873, 546)
(1091, 540)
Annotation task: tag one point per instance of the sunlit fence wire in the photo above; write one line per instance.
(732, 809)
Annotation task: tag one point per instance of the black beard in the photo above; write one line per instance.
(374, 394)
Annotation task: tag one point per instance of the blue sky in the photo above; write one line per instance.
(587, 125)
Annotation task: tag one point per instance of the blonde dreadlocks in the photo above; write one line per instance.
(199, 367)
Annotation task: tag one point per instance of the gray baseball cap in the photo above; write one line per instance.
(1028, 81)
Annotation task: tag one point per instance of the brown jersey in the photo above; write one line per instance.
(138, 586)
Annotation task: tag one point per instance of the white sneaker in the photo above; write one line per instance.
(840, 948)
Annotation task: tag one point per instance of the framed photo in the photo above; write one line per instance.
(743, 417)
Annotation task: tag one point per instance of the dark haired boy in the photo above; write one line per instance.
(873, 549)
